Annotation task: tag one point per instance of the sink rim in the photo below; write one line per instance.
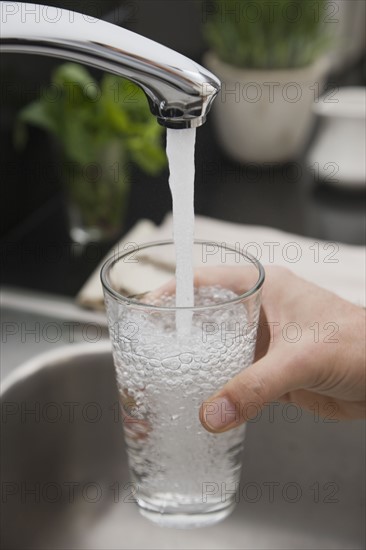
(50, 359)
(282, 536)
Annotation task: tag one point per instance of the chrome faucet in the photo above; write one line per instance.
(180, 92)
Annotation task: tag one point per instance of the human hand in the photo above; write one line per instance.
(322, 363)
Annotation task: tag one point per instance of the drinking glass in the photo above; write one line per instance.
(183, 475)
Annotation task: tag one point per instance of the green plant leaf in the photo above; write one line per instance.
(76, 82)
(36, 114)
(262, 34)
(147, 154)
(87, 117)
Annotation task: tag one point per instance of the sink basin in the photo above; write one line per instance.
(65, 478)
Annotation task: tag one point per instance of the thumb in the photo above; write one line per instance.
(250, 390)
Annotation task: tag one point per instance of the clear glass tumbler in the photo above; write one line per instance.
(184, 476)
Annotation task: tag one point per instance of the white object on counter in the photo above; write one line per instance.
(338, 153)
(265, 115)
(337, 267)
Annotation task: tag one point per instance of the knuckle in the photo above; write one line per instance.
(247, 389)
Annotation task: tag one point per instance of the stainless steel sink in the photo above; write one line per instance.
(65, 479)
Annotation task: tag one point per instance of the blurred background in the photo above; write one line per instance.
(239, 178)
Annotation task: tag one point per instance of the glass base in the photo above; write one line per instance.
(184, 520)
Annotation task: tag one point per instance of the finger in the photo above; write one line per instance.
(238, 279)
(248, 392)
(166, 289)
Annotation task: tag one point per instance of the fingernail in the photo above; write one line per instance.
(219, 413)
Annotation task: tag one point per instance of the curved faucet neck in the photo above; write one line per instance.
(180, 92)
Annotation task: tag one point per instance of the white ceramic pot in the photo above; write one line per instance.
(265, 116)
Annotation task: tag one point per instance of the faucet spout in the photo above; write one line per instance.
(180, 92)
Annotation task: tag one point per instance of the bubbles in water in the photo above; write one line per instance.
(164, 379)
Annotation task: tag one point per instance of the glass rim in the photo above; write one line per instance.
(129, 301)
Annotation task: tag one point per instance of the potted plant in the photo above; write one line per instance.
(269, 57)
(100, 129)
